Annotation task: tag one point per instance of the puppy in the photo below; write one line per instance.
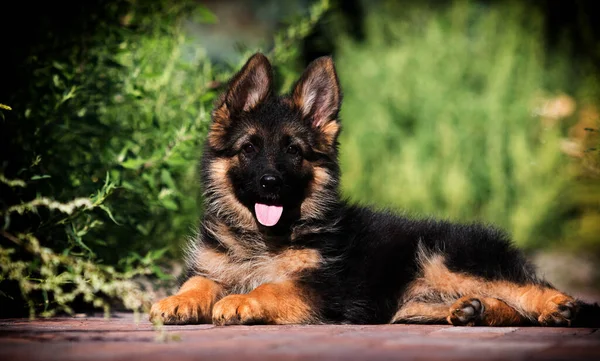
(279, 245)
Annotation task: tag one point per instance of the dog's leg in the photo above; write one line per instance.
(421, 312)
(271, 303)
(546, 305)
(483, 311)
(192, 304)
(537, 302)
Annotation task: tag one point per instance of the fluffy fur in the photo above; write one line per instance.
(325, 260)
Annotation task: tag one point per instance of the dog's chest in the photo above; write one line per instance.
(243, 274)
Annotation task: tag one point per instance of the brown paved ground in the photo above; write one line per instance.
(121, 338)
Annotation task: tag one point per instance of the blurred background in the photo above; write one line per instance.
(466, 110)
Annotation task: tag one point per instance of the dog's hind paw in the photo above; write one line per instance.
(560, 310)
(466, 312)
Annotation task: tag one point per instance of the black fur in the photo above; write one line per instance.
(379, 259)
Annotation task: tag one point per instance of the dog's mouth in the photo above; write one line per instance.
(267, 215)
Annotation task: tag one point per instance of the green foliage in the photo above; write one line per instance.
(49, 281)
(124, 95)
(444, 115)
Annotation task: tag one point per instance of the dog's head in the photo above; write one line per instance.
(272, 160)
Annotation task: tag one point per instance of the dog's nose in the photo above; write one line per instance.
(270, 182)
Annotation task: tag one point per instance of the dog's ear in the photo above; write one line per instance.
(250, 86)
(317, 93)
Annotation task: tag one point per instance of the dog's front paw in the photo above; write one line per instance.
(238, 310)
(179, 309)
(558, 311)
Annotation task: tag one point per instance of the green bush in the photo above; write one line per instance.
(99, 183)
(444, 115)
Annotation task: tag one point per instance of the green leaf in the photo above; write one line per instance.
(160, 274)
(133, 163)
(109, 213)
(43, 176)
(128, 185)
(123, 153)
(56, 80)
(58, 65)
(74, 236)
(143, 230)
(69, 95)
(165, 177)
(157, 254)
(169, 204)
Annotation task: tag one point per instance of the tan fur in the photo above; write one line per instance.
(223, 234)
(318, 197)
(305, 93)
(272, 303)
(249, 132)
(219, 126)
(257, 72)
(495, 313)
(192, 304)
(330, 132)
(239, 274)
(260, 76)
(534, 302)
(421, 312)
(554, 304)
(222, 201)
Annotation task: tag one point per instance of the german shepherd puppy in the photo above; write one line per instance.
(278, 245)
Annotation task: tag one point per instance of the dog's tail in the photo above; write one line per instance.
(588, 315)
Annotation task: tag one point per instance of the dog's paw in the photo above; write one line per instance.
(559, 310)
(238, 310)
(466, 312)
(179, 309)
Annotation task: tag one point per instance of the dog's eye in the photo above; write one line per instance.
(248, 148)
(293, 150)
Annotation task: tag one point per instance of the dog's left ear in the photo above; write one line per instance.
(317, 94)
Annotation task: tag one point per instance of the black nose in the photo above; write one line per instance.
(270, 182)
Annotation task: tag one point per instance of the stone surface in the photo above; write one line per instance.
(122, 338)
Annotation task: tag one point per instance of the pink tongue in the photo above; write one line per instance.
(268, 215)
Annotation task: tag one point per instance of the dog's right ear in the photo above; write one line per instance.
(250, 86)
(247, 89)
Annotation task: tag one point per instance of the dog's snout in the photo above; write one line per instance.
(270, 182)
